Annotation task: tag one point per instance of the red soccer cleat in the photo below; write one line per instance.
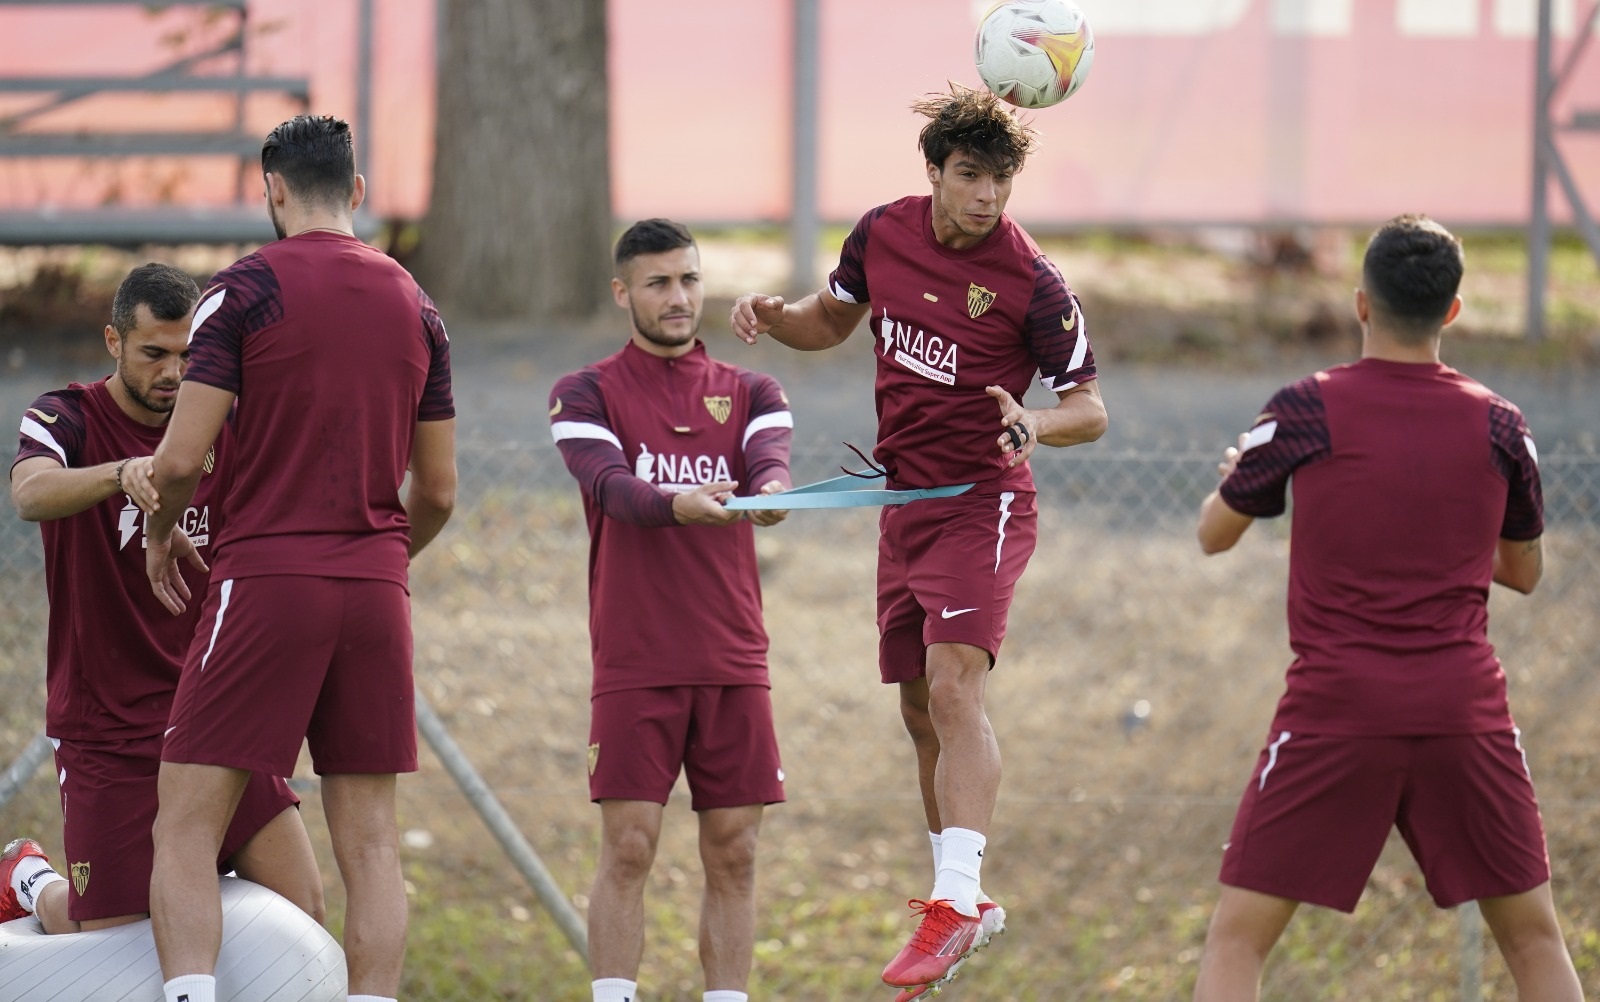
(15, 851)
(992, 922)
(942, 941)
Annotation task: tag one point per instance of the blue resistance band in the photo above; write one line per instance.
(840, 492)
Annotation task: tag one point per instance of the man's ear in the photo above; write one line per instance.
(1454, 311)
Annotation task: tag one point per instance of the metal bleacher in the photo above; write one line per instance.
(242, 221)
(1549, 163)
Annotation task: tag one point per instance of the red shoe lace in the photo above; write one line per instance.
(939, 920)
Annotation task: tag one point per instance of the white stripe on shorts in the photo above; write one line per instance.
(222, 608)
(1005, 516)
(1272, 758)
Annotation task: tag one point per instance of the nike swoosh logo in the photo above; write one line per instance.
(168, 731)
(42, 416)
(947, 614)
(557, 408)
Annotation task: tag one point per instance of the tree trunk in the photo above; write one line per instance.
(520, 220)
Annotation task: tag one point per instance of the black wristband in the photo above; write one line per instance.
(120, 465)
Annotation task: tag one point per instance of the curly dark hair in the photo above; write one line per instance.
(976, 121)
(1411, 272)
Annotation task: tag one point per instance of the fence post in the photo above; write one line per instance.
(1471, 952)
(502, 827)
(24, 767)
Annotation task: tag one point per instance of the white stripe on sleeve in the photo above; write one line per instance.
(563, 430)
(1080, 349)
(207, 308)
(1261, 434)
(772, 419)
(39, 433)
(840, 294)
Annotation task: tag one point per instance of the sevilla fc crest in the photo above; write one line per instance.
(979, 300)
(80, 877)
(720, 408)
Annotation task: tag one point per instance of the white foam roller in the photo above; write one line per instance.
(271, 952)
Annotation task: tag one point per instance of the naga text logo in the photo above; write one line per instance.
(928, 355)
(195, 523)
(676, 473)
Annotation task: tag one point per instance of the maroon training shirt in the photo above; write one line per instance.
(114, 652)
(949, 323)
(1405, 477)
(335, 354)
(670, 604)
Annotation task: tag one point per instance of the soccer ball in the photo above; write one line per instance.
(1034, 53)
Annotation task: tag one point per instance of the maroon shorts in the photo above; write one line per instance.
(720, 736)
(946, 570)
(1318, 810)
(278, 659)
(108, 805)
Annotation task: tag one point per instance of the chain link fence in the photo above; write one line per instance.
(1130, 699)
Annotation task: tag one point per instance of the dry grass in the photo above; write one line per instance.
(1106, 841)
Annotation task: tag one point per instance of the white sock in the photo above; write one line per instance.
(31, 876)
(369, 998)
(614, 990)
(725, 995)
(191, 988)
(960, 859)
(937, 842)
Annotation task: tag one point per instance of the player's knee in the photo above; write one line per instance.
(917, 720)
(1530, 942)
(731, 862)
(629, 853)
(954, 700)
(308, 898)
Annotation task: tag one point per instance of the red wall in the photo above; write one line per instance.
(1223, 110)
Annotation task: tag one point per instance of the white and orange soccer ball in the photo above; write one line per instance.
(1034, 53)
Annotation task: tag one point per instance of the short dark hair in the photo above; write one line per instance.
(651, 236)
(976, 121)
(316, 155)
(168, 292)
(1411, 274)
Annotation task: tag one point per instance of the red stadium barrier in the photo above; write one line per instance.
(1249, 111)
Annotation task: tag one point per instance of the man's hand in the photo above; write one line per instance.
(139, 484)
(773, 517)
(1230, 458)
(161, 566)
(1021, 426)
(704, 505)
(754, 314)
